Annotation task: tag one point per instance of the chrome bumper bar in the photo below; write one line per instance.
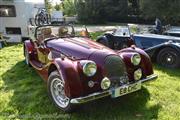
(98, 95)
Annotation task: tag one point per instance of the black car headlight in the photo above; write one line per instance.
(89, 68)
(136, 59)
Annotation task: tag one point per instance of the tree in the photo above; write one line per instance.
(90, 11)
(69, 7)
(116, 10)
(166, 10)
(48, 5)
(100, 11)
(57, 7)
(134, 7)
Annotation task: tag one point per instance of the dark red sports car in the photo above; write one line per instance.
(78, 70)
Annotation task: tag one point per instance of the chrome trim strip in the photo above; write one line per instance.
(149, 78)
(99, 95)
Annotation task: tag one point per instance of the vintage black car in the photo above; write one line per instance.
(166, 30)
(163, 49)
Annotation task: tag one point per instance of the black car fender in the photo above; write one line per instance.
(153, 51)
(106, 39)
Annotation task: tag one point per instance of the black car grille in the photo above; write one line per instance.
(116, 70)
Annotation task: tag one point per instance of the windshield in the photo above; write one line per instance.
(140, 29)
(60, 31)
(122, 31)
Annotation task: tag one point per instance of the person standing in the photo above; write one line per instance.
(158, 26)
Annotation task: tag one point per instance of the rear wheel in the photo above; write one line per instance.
(56, 90)
(169, 57)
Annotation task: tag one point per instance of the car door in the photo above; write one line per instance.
(43, 52)
(143, 42)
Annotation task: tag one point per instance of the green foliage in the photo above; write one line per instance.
(94, 35)
(167, 10)
(57, 7)
(116, 10)
(90, 11)
(100, 11)
(69, 7)
(48, 5)
(133, 7)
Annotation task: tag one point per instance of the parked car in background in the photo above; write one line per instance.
(166, 30)
(78, 69)
(57, 17)
(163, 49)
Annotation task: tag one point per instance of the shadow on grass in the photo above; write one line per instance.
(30, 98)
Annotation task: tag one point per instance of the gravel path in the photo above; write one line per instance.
(96, 28)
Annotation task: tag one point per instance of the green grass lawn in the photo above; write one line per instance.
(23, 95)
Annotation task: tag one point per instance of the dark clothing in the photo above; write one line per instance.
(158, 25)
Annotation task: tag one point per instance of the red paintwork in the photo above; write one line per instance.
(80, 48)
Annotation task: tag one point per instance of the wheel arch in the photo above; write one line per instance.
(52, 68)
(108, 41)
(102, 38)
(28, 45)
(168, 45)
(69, 73)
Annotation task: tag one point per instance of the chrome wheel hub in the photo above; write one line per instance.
(169, 58)
(58, 94)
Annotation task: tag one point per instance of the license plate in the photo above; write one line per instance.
(126, 89)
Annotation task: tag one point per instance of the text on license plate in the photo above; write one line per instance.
(123, 90)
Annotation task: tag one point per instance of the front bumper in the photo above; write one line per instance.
(98, 95)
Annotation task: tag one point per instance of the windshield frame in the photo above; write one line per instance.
(59, 25)
(122, 28)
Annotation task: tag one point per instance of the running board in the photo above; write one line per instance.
(38, 65)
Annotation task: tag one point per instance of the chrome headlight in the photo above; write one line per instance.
(89, 68)
(105, 83)
(138, 74)
(136, 59)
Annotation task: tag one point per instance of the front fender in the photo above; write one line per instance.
(29, 46)
(145, 65)
(68, 69)
(105, 40)
(153, 51)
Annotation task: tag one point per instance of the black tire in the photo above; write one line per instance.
(169, 57)
(52, 77)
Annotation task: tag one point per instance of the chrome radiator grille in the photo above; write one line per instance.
(116, 69)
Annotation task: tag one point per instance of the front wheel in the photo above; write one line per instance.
(56, 90)
(169, 57)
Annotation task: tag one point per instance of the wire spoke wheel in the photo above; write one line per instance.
(58, 94)
(56, 90)
(169, 57)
